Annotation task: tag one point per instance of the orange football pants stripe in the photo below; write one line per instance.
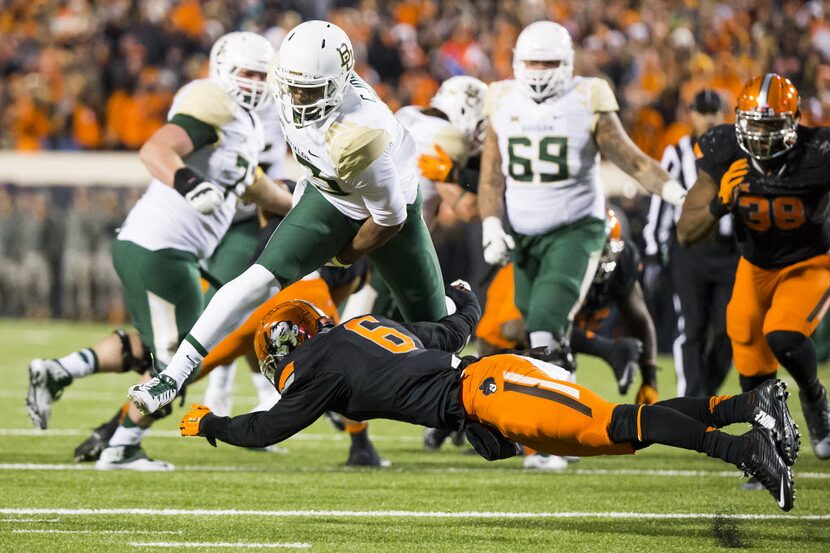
(538, 408)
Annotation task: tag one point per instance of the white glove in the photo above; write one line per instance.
(205, 197)
(497, 243)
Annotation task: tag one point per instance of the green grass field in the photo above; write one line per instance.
(659, 500)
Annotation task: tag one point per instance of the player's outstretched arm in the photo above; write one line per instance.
(162, 154)
(301, 405)
(451, 332)
(696, 220)
(615, 144)
(491, 180)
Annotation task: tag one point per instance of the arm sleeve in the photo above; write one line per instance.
(301, 405)
(451, 332)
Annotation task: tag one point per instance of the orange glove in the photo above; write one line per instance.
(189, 425)
(731, 184)
(647, 395)
(435, 168)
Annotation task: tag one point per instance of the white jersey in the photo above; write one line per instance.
(360, 158)
(163, 218)
(272, 158)
(429, 131)
(549, 158)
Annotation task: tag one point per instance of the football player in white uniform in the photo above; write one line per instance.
(540, 164)
(359, 196)
(204, 160)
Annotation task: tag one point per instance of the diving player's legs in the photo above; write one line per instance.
(311, 234)
(529, 402)
(409, 266)
(799, 302)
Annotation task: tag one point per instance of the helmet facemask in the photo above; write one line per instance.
(541, 84)
(282, 339)
(305, 100)
(766, 136)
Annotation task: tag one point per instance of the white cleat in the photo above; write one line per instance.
(153, 395)
(47, 379)
(129, 457)
(540, 461)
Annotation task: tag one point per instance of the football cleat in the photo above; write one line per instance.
(542, 461)
(47, 379)
(770, 411)
(434, 438)
(817, 415)
(762, 461)
(153, 395)
(365, 455)
(91, 448)
(623, 358)
(129, 457)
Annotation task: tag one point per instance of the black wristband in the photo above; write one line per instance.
(185, 179)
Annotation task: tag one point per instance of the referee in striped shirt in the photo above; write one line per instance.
(702, 275)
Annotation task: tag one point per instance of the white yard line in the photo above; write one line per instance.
(403, 514)
(103, 532)
(30, 520)
(439, 470)
(235, 545)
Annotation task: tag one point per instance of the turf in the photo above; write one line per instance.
(311, 478)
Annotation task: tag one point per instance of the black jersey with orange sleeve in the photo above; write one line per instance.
(601, 295)
(368, 367)
(784, 217)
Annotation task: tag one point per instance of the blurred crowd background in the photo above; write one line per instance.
(100, 75)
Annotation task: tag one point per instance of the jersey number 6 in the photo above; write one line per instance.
(386, 337)
(552, 149)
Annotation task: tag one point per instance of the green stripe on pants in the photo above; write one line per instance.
(552, 273)
(162, 292)
(314, 231)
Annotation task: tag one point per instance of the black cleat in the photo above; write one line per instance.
(623, 358)
(762, 461)
(91, 448)
(365, 455)
(434, 438)
(817, 415)
(770, 411)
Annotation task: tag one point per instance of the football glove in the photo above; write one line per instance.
(437, 167)
(731, 185)
(497, 243)
(204, 196)
(189, 425)
(647, 394)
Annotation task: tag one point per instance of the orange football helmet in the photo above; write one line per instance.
(766, 117)
(614, 244)
(285, 328)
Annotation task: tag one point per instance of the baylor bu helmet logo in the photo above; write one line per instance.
(489, 386)
(346, 58)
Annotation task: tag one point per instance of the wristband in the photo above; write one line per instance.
(185, 179)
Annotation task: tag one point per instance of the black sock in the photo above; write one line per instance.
(598, 346)
(717, 411)
(360, 439)
(749, 383)
(662, 425)
(797, 354)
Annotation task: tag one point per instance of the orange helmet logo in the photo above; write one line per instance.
(283, 329)
(766, 117)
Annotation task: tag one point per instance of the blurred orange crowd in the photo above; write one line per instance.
(100, 74)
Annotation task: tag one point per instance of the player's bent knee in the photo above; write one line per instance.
(785, 343)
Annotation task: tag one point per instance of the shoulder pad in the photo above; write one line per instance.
(354, 147)
(206, 101)
(718, 144)
(602, 98)
(496, 91)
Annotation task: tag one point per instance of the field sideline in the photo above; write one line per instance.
(228, 499)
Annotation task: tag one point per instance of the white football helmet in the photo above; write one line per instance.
(232, 60)
(544, 41)
(309, 77)
(462, 100)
